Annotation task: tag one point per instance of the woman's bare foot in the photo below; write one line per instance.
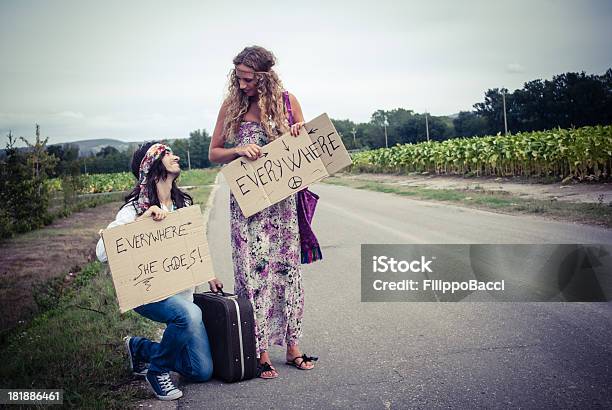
(268, 372)
(296, 358)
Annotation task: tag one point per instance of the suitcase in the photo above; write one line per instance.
(230, 324)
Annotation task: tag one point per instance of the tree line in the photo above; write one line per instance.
(567, 100)
(25, 173)
(193, 152)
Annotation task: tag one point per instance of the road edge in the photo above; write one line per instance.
(156, 404)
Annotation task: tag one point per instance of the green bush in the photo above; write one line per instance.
(23, 186)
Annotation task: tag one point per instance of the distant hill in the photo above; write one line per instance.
(91, 147)
(88, 147)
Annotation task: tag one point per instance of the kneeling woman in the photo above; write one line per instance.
(184, 347)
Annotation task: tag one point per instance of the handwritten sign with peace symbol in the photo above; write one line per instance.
(288, 164)
(295, 182)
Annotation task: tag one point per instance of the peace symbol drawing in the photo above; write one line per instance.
(295, 182)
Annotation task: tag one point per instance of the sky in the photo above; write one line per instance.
(143, 70)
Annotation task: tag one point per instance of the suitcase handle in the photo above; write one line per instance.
(219, 290)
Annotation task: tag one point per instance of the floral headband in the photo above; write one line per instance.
(154, 152)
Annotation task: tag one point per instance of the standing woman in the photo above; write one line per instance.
(265, 246)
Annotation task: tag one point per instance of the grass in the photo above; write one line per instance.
(85, 201)
(200, 195)
(43, 233)
(75, 343)
(204, 176)
(591, 213)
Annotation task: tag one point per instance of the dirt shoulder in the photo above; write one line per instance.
(55, 250)
(575, 192)
(589, 204)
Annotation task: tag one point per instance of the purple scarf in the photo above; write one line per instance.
(306, 204)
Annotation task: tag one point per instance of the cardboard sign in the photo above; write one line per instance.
(288, 164)
(151, 260)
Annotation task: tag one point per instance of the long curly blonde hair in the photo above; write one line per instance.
(269, 88)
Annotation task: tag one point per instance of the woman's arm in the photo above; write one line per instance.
(298, 117)
(216, 151)
(125, 215)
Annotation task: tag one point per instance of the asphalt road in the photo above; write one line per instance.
(422, 355)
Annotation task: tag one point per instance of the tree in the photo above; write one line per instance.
(470, 124)
(568, 100)
(405, 126)
(24, 191)
(493, 110)
(107, 151)
(180, 147)
(345, 129)
(199, 141)
(67, 158)
(109, 159)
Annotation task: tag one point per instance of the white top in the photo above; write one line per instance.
(126, 215)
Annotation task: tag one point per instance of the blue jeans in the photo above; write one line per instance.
(184, 348)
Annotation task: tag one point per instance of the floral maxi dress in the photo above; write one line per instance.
(266, 256)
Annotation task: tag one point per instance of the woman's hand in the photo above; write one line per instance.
(155, 212)
(295, 128)
(251, 151)
(215, 285)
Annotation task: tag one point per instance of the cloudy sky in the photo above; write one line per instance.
(136, 70)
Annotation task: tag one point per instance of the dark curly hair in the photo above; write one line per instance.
(156, 172)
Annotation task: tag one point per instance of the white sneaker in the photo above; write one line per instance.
(162, 386)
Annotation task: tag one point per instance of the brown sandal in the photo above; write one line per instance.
(266, 367)
(304, 360)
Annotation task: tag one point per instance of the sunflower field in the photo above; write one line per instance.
(582, 153)
(124, 181)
